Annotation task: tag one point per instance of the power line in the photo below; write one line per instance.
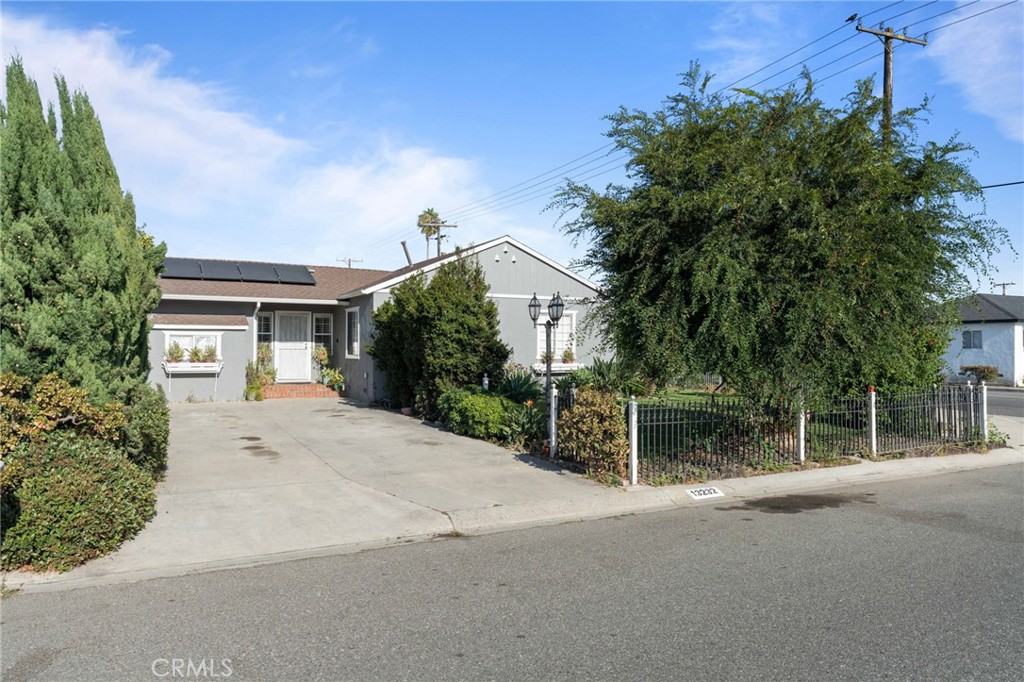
(551, 183)
(496, 194)
(518, 194)
(498, 198)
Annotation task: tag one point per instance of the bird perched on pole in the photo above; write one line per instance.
(852, 17)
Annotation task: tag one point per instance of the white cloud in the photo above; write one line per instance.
(748, 36)
(984, 57)
(213, 181)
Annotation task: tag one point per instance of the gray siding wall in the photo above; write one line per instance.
(362, 381)
(512, 286)
(236, 350)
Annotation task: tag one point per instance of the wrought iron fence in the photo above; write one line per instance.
(840, 427)
(946, 414)
(710, 438)
(725, 436)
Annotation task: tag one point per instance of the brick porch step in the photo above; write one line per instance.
(279, 391)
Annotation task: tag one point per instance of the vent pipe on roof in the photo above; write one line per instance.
(407, 256)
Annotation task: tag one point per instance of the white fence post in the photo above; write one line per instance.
(553, 424)
(801, 433)
(984, 413)
(873, 415)
(632, 441)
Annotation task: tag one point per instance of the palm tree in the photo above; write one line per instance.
(428, 223)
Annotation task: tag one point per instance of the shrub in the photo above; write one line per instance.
(519, 386)
(148, 429)
(576, 379)
(261, 373)
(593, 430)
(986, 373)
(437, 335)
(52, 404)
(613, 376)
(69, 499)
(525, 423)
(475, 414)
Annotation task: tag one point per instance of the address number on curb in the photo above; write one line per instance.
(702, 493)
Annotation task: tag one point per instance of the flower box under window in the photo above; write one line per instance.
(193, 367)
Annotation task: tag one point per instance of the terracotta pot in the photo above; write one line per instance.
(407, 411)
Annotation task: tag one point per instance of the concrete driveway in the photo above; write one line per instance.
(258, 482)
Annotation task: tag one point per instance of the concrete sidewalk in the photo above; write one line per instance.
(255, 483)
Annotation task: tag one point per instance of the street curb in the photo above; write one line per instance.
(644, 499)
(601, 503)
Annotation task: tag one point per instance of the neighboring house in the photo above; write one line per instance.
(232, 306)
(992, 333)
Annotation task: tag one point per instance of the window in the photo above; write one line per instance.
(972, 339)
(323, 331)
(352, 333)
(562, 336)
(195, 346)
(264, 327)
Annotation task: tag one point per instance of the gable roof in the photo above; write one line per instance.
(330, 282)
(333, 284)
(398, 276)
(992, 308)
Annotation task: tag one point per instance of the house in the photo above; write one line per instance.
(228, 308)
(992, 334)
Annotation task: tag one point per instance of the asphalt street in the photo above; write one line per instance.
(918, 579)
(1008, 402)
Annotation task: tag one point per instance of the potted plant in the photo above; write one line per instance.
(209, 354)
(174, 353)
(568, 357)
(332, 377)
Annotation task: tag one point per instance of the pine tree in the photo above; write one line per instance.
(78, 276)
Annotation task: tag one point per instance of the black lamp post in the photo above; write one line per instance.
(555, 309)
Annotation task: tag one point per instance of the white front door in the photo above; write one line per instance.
(294, 361)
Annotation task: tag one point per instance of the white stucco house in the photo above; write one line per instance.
(992, 333)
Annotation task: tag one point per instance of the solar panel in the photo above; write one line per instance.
(294, 274)
(181, 268)
(231, 271)
(258, 272)
(219, 270)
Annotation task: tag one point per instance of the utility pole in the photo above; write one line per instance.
(1004, 285)
(350, 261)
(437, 233)
(887, 36)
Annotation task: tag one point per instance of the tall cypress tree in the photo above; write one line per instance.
(77, 275)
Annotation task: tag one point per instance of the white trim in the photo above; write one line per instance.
(567, 316)
(355, 356)
(192, 367)
(195, 331)
(221, 327)
(472, 251)
(527, 297)
(251, 299)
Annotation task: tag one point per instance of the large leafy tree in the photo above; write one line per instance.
(780, 243)
(77, 275)
(437, 335)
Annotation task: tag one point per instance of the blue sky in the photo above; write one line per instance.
(311, 132)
